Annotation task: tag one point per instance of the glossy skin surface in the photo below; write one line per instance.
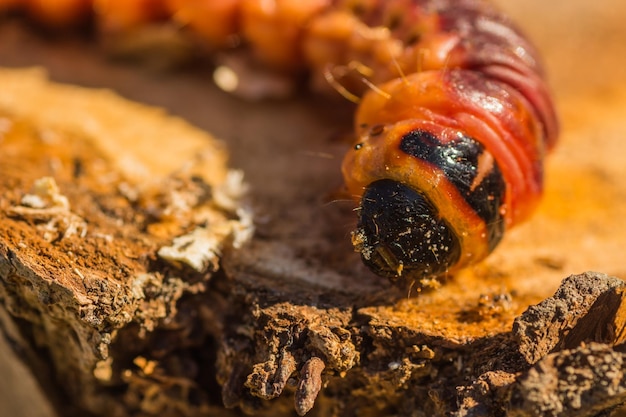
(485, 85)
(454, 113)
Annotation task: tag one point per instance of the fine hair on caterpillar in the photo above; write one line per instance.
(453, 121)
(334, 73)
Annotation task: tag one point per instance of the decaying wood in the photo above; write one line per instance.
(100, 242)
(585, 381)
(582, 310)
(399, 367)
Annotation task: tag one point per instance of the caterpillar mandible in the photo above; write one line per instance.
(454, 116)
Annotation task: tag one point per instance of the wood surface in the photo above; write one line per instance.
(295, 311)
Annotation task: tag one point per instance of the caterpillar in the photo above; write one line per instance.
(454, 117)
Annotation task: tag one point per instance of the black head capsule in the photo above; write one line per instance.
(400, 233)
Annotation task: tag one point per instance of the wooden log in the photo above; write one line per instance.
(99, 241)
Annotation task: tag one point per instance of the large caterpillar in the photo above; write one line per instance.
(453, 122)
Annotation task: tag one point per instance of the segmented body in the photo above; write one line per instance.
(454, 118)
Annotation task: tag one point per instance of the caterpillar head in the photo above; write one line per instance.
(400, 233)
(430, 199)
